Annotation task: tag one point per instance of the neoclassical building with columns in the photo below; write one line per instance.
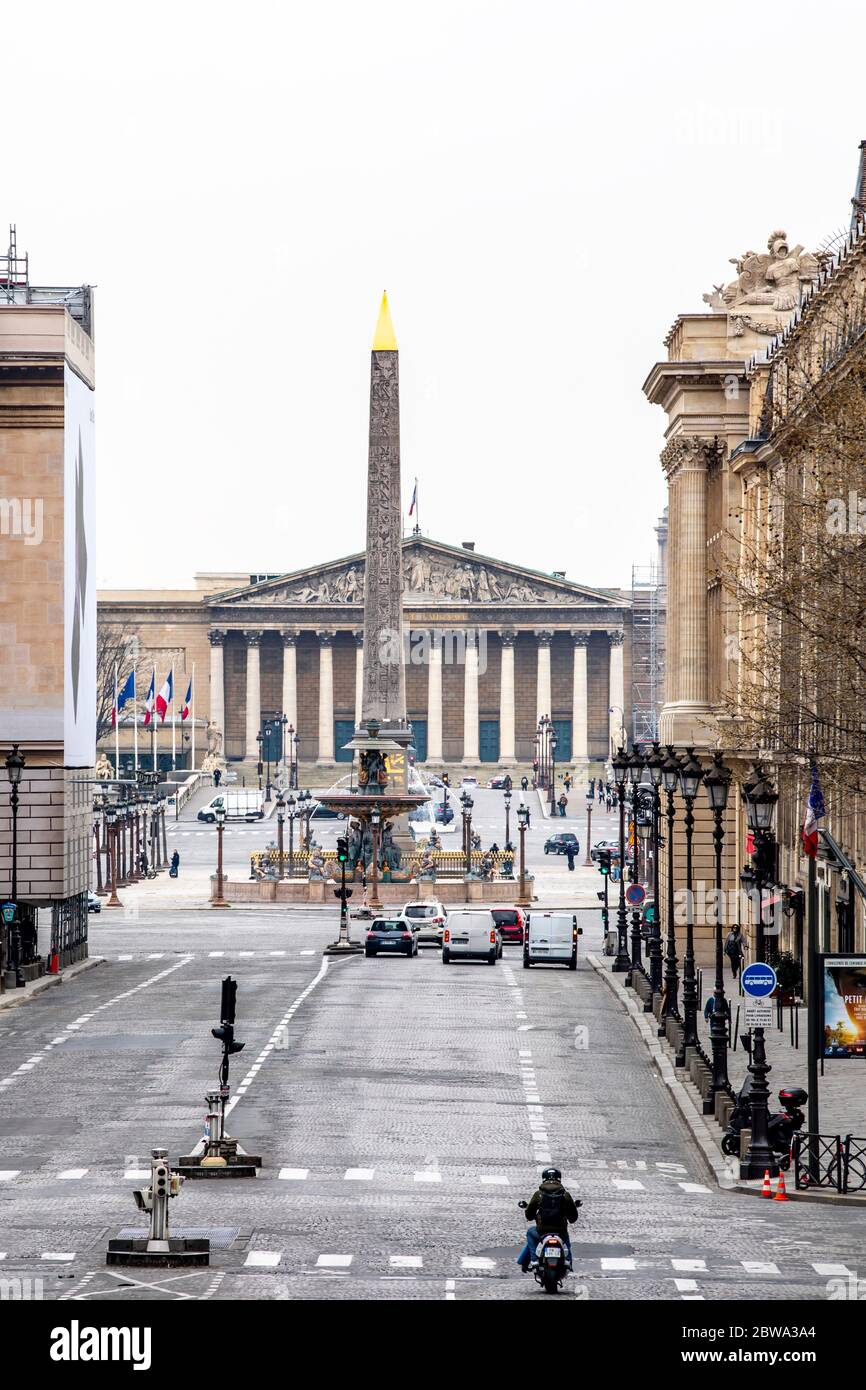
(489, 647)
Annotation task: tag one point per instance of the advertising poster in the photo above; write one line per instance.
(79, 573)
(844, 1006)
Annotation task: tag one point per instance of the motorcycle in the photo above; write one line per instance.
(550, 1265)
(781, 1126)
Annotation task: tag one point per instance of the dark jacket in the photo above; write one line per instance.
(568, 1209)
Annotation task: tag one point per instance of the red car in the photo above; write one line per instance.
(511, 923)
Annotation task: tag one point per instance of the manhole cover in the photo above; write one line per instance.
(220, 1237)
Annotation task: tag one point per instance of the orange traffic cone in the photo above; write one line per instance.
(781, 1194)
(766, 1190)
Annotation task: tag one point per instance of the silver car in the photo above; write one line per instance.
(428, 920)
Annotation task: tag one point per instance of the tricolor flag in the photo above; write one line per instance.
(148, 704)
(163, 699)
(121, 697)
(815, 810)
(187, 701)
(414, 501)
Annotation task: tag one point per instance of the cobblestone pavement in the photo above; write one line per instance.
(412, 1106)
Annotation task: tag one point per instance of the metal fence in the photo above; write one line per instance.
(69, 930)
(829, 1161)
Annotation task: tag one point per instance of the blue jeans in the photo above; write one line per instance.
(527, 1254)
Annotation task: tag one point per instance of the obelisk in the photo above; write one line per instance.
(384, 685)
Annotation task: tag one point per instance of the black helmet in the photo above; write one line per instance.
(551, 1175)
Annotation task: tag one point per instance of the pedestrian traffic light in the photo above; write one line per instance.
(342, 849)
(604, 862)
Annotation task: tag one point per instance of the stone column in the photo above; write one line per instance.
(507, 756)
(543, 696)
(434, 701)
(692, 653)
(326, 700)
(616, 704)
(470, 702)
(579, 705)
(217, 696)
(359, 674)
(290, 678)
(254, 695)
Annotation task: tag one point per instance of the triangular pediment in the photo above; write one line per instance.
(433, 573)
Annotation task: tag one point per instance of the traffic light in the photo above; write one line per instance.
(160, 1180)
(604, 862)
(226, 1031)
(342, 849)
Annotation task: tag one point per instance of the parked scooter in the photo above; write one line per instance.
(550, 1265)
(781, 1126)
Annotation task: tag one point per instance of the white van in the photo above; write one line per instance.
(551, 937)
(241, 803)
(470, 934)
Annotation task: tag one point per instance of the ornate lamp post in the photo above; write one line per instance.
(219, 900)
(654, 764)
(375, 824)
(552, 742)
(259, 741)
(590, 802)
(522, 819)
(691, 776)
(620, 767)
(717, 782)
(97, 823)
(111, 836)
(507, 801)
(14, 768)
(291, 810)
(634, 772)
(760, 798)
(467, 803)
(281, 816)
(670, 780)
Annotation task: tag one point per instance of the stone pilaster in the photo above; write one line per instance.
(507, 756)
(616, 687)
(254, 695)
(217, 693)
(326, 700)
(434, 701)
(290, 677)
(579, 703)
(542, 685)
(685, 718)
(470, 702)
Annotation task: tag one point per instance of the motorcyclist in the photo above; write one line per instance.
(549, 1210)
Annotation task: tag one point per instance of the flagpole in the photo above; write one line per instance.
(192, 717)
(814, 987)
(173, 736)
(116, 727)
(134, 723)
(153, 723)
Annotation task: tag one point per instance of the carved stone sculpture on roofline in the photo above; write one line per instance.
(774, 279)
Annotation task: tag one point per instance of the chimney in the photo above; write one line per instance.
(468, 545)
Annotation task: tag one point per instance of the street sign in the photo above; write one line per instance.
(759, 980)
(758, 1013)
(8, 910)
(635, 894)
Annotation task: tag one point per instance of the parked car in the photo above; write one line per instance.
(612, 845)
(93, 903)
(392, 935)
(427, 920)
(443, 812)
(510, 923)
(470, 934)
(557, 844)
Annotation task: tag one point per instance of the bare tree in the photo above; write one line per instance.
(113, 653)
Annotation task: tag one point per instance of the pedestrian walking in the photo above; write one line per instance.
(562, 803)
(217, 776)
(524, 783)
(569, 851)
(735, 949)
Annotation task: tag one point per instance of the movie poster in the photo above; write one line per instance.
(844, 1006)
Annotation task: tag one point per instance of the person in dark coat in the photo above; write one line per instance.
(569, 854)
(549, 1211)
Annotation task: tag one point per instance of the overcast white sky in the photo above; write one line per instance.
(541, 186)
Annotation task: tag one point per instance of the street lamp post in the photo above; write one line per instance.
(760, 798)
(375, 823)
(467, 804)
(259, 741)
(507, 800)
(634, 773)
(622, 962)
(655, 763)
(219, 900)
(670, 1007)
(281, 816)
(691, 775)
(590, 802)
(717, 782)
(291, 805)
(522, 818)
(111, 834)
(100, 891)
(14, 768)
(552, 799)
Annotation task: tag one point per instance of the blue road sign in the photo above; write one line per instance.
(635, 894)
(759, 980)
(8, 911)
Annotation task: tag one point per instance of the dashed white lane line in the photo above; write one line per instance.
(59, 1258)
(212, 954)
(476, 1262)
(7, 1174)
(294, 1174)
(759, 1267)
(685, 1285)
(359, 1174)
(493, 1179)
(406, 1262)
(69, 1174)
(829, 1270)
(450, 1295)
(428, 1175)
(334, 1261)
(263, 1259)
(612, 1264)
(693, 1266)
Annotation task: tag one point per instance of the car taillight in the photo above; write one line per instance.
(370, 935)
(438, 921)
(407, 936)
(493, 938)
(447, 935)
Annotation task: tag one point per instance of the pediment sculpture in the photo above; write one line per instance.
(773, 279)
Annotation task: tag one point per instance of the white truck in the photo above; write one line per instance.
(239, 803)
(551, 938)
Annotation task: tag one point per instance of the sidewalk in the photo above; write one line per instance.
(13, 997)
(842, 1091)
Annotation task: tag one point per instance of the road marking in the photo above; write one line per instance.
(629, 1184)
(759, 1267)
(156, 955)
(494, 1178)
(69, 1173)
(694, 1265)
(685, 1285)
(211, 954)
(307, 953)
(693, 1187)
(334, 1261)
(136, 1174)
(7, 1174)
(450, 1295)
(124, 957)
(359, 1174)
(428, 1176)
(406, 1262)
(476, 1262)
(829, 1270)
(609, 1263)
(263, 1259)
(59, 1258)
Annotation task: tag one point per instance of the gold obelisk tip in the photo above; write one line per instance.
(384, 339)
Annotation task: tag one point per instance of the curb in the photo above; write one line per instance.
(15, 1000)
(701, 1130)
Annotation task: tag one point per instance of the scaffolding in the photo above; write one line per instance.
(647, 651)
(15, 287)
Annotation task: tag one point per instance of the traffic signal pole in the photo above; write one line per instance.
(344, 945)
(218, 1155)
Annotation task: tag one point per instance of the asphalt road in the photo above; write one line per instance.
(402, 1108)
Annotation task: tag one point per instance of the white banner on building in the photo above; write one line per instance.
(79, 572)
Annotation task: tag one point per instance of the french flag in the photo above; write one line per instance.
(414, 501)
(148, 704)
(187, 701)
(815, 810)
(163, 699)
(127, 693)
